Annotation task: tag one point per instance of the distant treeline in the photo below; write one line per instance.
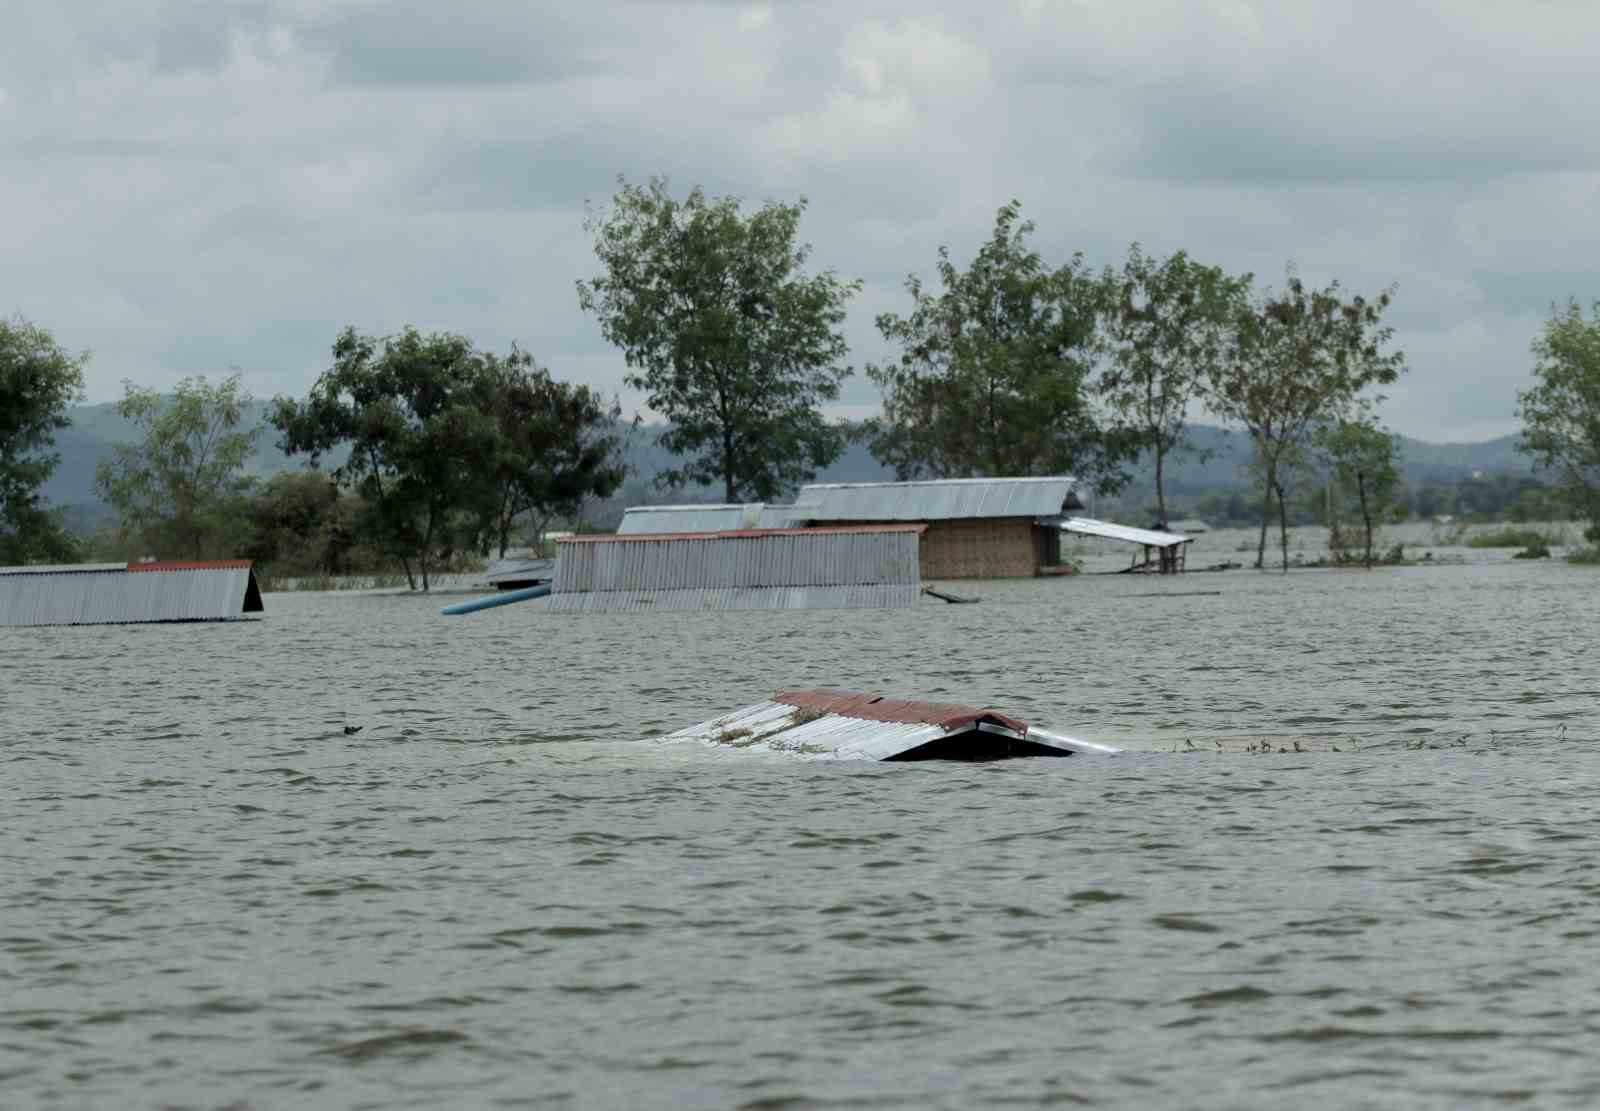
(1010, 365)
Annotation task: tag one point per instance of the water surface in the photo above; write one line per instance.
(498, 893)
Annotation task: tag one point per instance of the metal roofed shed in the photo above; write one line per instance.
(849, 725)
(864, 567)
(1172, 546)
(978, 528)
(128, 593)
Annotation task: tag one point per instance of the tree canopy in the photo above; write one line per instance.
(1561, 413)
(993, 374)
(1361, 456)
(38, 380)
(1299, 358)
(732, 341)
(1166, 326)
(180, 489)
(557, 447)
(448, 443)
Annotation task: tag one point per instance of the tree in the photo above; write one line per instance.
(1166, 323)
(38, 380)
(416, 413)
(1297, 359)
(992, 373)
(301, 524)
(1360, 454)
(557, 446)
(180, 490)
(733, 342)
(1561, 413)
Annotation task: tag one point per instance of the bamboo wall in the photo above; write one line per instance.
(983, 548)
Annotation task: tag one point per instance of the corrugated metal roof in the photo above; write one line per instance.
(119, 593)
(830, 724)
(1088, 526)
(751, 569)
(691, 518)
(937, 500)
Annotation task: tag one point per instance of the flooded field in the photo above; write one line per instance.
(359, 855)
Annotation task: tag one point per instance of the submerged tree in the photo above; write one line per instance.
(557, 447)
(1298, 359)
(1360, 455)
(38, 380)
(992, 377)
(180, 489)
(415, 413)
(731, 340)
(1166, 323)
(1561, 413)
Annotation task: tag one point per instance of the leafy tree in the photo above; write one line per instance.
(180, 490)
(733, 342)
(1359, 454)
(300, 524)
(38, 380)
(992, 373)
(1166, 323)
(1561, 413)
(415, 411)
(1297, 359)
(557, 446)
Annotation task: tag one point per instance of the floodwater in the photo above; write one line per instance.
(500, 893)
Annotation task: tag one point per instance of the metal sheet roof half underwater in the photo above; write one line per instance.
(869, 567)
(937, 500)
(849, 725)
(128, 593)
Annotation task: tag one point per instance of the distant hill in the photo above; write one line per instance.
(95, 428)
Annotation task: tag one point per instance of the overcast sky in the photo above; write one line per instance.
(190, 187)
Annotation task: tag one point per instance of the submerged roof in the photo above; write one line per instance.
(837, 724)
(702, 518)
(1088, 526)
(863, 566)
(938, 499)
(128, 593)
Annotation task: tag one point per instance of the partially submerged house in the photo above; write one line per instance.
(977, 528)
(128, 593)
(852, 567)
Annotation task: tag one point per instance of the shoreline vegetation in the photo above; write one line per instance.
(439, 452)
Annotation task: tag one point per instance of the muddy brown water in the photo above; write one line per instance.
(498, 893)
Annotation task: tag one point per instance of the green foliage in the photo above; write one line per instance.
(1533, 551)
(557, 448)
(1561, 413)
(1300, 358)
(180, 490)
(993, 372)
(38, 380)
(733, 343)
(1512, 538)
(1362, 457)
(416, 412)
(301, 524)
(1166, 323)
(1585, 556)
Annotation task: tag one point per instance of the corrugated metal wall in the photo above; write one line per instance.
(102, 594)
(813, 568)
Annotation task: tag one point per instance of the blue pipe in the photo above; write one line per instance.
(493, 600)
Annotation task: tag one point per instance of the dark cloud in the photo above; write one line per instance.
(198, 185)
